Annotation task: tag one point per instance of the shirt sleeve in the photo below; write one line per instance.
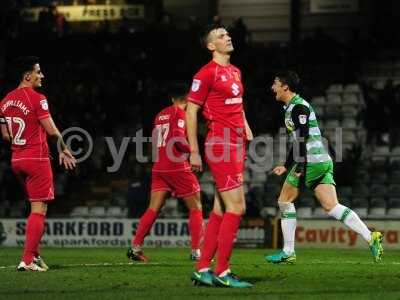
(41, 106)
(289, 159)
(179, 131)
(300, 117)
(200, 87)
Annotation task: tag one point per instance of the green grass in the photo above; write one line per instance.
(318, 274)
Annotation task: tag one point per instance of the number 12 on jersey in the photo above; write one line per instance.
(162, 134)
(16, 139)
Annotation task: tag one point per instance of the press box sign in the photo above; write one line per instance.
(82, 13)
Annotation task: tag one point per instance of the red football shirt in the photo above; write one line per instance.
(169, 140)
(23, 108)
(219, 90)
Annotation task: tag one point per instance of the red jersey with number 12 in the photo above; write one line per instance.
(169, 140)
(219, 90)
(23, 108)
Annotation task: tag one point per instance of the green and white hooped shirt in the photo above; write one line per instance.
(316, 152)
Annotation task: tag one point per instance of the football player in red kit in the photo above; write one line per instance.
(26, 123)
(217, 90)
(171, 174)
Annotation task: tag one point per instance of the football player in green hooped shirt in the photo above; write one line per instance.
(313, 167)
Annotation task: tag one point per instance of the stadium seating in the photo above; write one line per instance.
(304, 212)
(394, 207)
(336, 88)
(377, 207)
(352, 88)
(208, 188)
(170, 208)
(80, 211)
(115, 211)
(333, 99)
(320, 213)
(97, 212)
(318, 101)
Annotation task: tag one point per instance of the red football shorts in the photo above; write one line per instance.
(180, 184)
(226, 163)
(36, 177)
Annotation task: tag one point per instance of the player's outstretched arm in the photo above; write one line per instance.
(191, 120)
(280, 170)
(65, 157)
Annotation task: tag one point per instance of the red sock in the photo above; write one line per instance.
(196, 227)
(146, 221)
(210, 241)
(34, 232)
(227, 234)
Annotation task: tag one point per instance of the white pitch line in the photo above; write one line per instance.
(101, 265)
(359, 263)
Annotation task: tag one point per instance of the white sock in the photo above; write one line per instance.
(136, 248)
(288, 224)
(196, 252)
(351, 219)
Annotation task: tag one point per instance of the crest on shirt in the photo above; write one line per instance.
(237, 76)
(44, 104)
(223, 78)
(196, 85)
(302, 119)
(181, 123)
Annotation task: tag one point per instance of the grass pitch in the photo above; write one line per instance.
(108, 274)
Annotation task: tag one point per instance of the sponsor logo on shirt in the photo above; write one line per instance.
(181, 123)
(44, 104)
(163, 117)
(303, 119)
(196, 85)
(223, 78)
(235, 89)
(234, 100)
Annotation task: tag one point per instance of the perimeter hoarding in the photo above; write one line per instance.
(333, 234)
(116, 233)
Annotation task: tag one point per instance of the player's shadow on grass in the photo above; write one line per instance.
(253, 279)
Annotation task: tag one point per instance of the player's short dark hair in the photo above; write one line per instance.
(177, 90)
(206, 31)
(24, 64)
(289, 78)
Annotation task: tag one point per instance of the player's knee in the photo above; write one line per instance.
(328, 206)
(39, 208)
(238, 209)
(156, 206)
(287, 198)
(243, 211)
(196, 205)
